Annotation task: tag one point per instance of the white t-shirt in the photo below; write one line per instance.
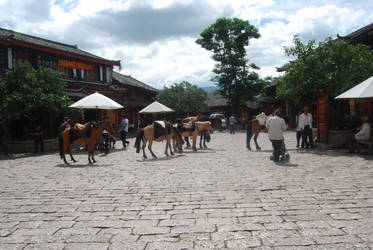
(364, 133)
(276, 126)
(232, 120)
(305, 120)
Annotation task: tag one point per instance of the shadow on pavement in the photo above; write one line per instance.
(165, 158)
(201, 151)
(86, 165)
(286, 164)
(335, 153)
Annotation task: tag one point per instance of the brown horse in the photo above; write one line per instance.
(201, 128)
(169, 132)
(255, 126)
(82, 134)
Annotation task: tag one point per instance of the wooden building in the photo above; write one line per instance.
(137, 97)
(85, 73)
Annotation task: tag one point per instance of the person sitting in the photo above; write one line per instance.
(363, 134)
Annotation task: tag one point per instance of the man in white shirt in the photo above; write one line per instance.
(298, 129)
(363, 134)
(276, 125)
(306, 128)
(232, 121)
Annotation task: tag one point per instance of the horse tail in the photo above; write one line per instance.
(179, 135)
(249, 127)
(60, 144)
(139, 136)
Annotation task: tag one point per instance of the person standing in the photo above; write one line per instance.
(306, 128)
(123, 129)
(243, 120)
(232, 121)
(64, 125)
(298, 129)
(276, 126)
(2, 139)
(38, 139)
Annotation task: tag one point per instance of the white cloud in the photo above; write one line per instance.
(159, 48)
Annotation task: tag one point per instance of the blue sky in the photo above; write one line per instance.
(155, 39)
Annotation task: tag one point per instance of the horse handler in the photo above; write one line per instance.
(276, 126)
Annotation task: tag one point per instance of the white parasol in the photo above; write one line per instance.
(96, 101)
(362, 90)
(155, 108)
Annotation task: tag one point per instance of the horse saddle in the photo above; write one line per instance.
(186, 127)
(161, 128)
(81, 130)
(80, 127)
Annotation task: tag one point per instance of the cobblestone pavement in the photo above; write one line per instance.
(223, 197)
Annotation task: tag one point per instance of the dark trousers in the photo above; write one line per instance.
(231, 127)
(106, 143)
(276, 144)
(123, 137)
(351, 143)
(38, 140)
(3, 145)
(299, 136)
(307, 137)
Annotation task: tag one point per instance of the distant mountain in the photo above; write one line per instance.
(210, 88)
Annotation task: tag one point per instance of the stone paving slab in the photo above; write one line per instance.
(222, 197)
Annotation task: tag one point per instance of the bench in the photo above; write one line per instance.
(369, 143)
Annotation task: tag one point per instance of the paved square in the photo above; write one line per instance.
(223, 197)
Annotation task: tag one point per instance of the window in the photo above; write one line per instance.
(104, 75)
(109, 73)
(3, 59)
(47, 61)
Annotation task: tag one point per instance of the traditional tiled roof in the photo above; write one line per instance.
(12, 36)
(359, 34)
(128, 80)
(215, 99)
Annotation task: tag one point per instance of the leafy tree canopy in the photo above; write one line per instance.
(183, 97)
(227, 39)
(25, 91)
(333, 63)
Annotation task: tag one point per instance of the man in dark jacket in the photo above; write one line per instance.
(2, 140)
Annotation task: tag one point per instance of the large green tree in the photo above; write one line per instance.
(25, 92)
(183, 97)
(227, 39)
(337, 64)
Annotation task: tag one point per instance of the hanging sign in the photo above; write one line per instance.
(63, 63)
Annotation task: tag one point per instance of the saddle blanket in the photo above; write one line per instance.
(162, 123)
(262, 119)
(187, 125)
